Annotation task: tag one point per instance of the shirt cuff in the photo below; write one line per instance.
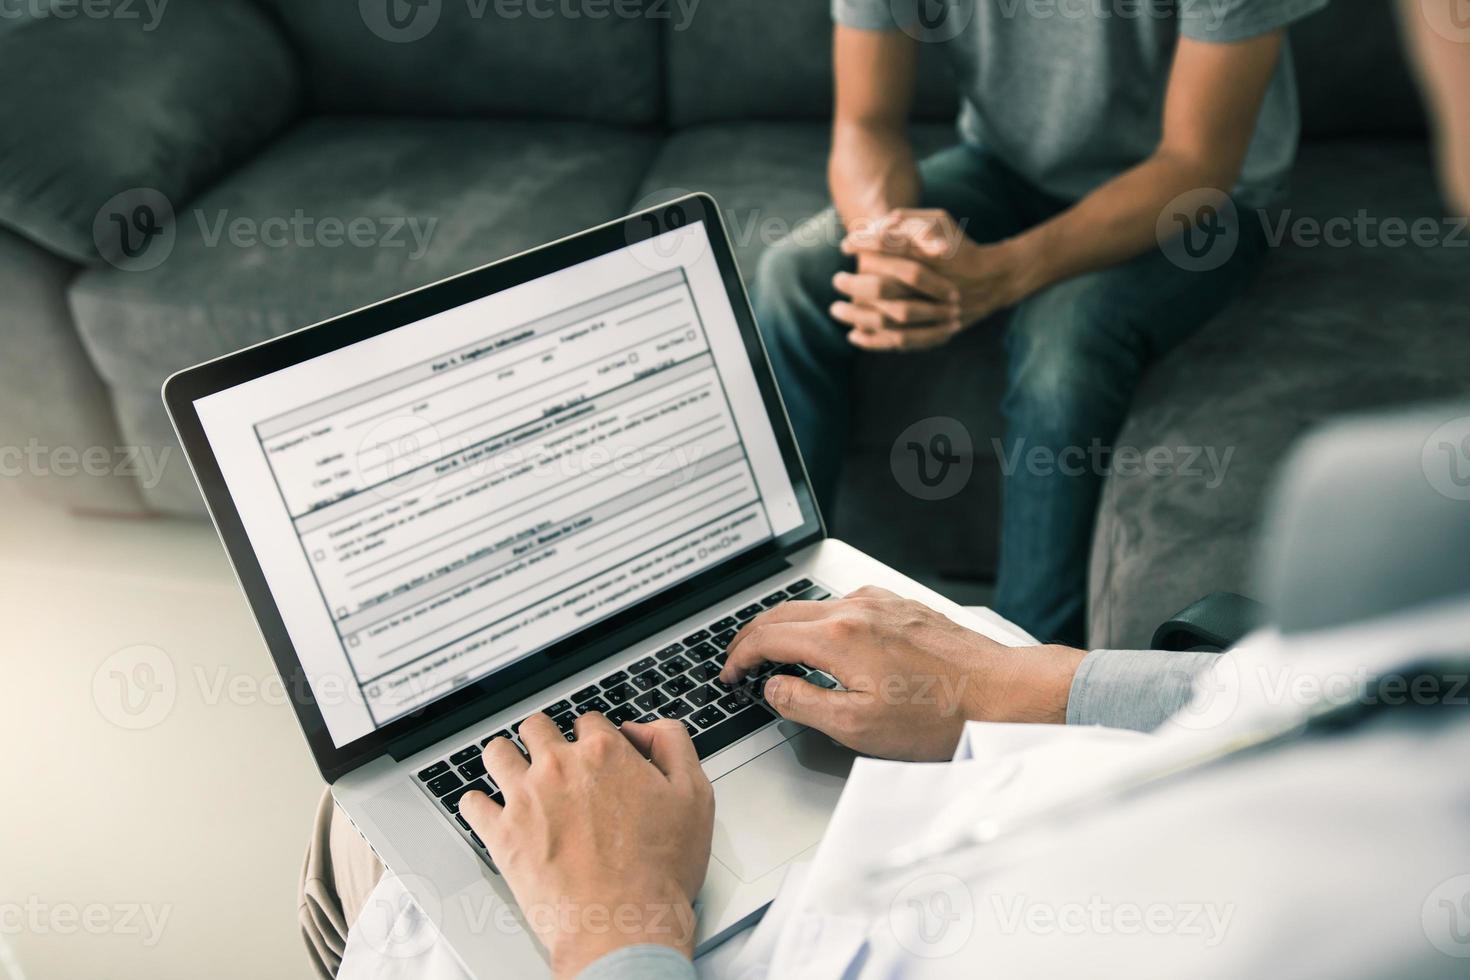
(1239, 20)
(1136, 689)
(864, 15)
(648, 961)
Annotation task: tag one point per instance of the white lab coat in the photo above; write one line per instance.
(1336, 857)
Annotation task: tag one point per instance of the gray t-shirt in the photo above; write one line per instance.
(1070, 93)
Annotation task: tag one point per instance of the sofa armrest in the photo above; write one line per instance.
(1214, 623)
(103, 107)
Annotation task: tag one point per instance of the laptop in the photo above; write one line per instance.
(558, 483)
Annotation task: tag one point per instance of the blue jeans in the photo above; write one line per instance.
(1075, 353)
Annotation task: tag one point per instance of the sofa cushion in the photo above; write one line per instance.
(479, 57)
(54, 401)
(772, 59)
(100, 109)
(272, 247)
(1324, 330)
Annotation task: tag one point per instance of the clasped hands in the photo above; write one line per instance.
(920, 280)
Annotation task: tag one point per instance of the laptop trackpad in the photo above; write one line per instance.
(777, 805)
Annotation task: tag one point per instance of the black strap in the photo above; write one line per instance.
(1213, 623)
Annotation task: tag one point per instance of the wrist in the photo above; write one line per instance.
(1032, 685)
(583, 937)
(1054, 688)
(1028, 257)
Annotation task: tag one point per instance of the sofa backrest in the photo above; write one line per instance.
(696, 61)
(1352, 73)
(480, 57)
(771, 59)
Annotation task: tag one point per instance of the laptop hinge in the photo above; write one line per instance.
(666, 615)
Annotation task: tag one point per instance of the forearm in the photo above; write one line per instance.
(1114, 223)
(871, 171)
(1444, 67)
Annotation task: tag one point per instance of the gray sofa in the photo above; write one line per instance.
(500, 132)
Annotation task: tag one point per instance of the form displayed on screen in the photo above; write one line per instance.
(444, 499)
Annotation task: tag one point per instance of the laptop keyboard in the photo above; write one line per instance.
(680, 681)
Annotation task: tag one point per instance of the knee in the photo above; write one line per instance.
(1071, 361)
(793, 280)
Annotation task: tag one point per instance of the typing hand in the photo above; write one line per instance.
(912, 676)
(920, 281)
(601, 849)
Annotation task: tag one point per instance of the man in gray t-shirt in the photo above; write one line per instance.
(1108, 151)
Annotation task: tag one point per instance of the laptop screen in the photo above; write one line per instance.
(441, 500)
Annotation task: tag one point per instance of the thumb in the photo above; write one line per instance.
(805, 703)
(666, 744)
